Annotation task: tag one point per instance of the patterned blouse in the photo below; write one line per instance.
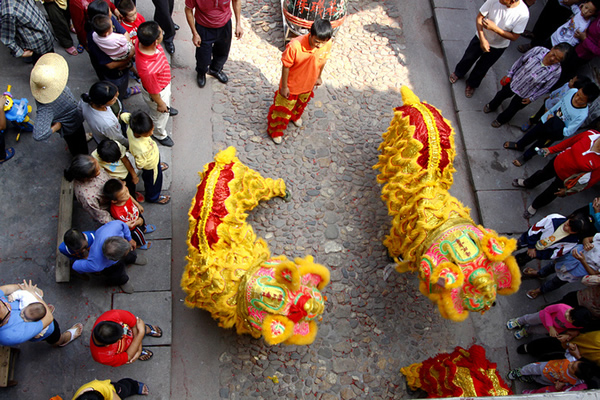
(89, 194)
(24, 27)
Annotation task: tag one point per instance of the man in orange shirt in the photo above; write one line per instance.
(303, 61)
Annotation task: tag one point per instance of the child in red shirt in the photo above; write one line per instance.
(125, 208)
(131, 18)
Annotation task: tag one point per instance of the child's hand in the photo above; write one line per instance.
(574, 350)
(559, 385)
(546, 151)
(580, 35)
(552, 331)
(531, 253)
(596, 205)
(133, 244)
(484, 44)
(131, 224)
(27, 53)
(578, 256)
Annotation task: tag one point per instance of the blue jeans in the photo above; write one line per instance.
(550, 284)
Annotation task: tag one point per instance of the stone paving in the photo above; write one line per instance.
(371, 327)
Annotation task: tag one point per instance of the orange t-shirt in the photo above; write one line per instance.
(305, 63)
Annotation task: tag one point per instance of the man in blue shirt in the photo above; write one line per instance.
(113, 249)
(15, 330)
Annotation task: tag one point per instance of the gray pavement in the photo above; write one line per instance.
(372, 327)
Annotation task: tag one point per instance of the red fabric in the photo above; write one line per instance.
(209, 15)
(437, 373)
(127, 212)
(297, 311)
(219, 211)
(154, 70)
(115, 354)
(571, 160)
(132, 27)
(422, 133)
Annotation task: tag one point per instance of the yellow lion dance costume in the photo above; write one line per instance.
(231, 273)
(461, 266)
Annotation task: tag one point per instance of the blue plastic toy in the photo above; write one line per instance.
(16, 111)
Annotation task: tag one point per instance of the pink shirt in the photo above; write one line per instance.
(210, 13)
(554, 315)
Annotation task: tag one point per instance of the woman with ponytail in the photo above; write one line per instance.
(97, 108)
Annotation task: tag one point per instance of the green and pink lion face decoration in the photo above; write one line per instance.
(231, 273)
(462, 266)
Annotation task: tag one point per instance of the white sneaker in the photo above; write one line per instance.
(277, 139)
(298, 122)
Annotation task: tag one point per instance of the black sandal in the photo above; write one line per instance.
(511, 146)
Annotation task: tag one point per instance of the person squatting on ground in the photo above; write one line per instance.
(210, 22)
(24, 29)
(117, 338)
(15, 330)
(553, 320)
(303, 61)
(575, 168)
(561, 121)
(155, 73)
(551, 237)
(88, 181)
(498, 23)
(583, 260)
(112, 251)
(529, 78)
(560, 373)
(76, 245)
(107, 390)
(146, 154)
(555, 96)
(125, 208)
(56, 107)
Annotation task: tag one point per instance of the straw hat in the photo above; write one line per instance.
(49, 77)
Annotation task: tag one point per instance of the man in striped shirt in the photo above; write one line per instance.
(155, 73)
(530, 77)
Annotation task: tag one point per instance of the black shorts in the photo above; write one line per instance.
(54, 336)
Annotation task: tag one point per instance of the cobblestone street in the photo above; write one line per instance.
(371, 327)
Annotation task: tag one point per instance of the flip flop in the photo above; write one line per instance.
(139, 197)
(146, 355)
(141, 387)
(74, 334)
(164, 166)
(532, 294)
(496, 124)
(530, 273)
(72, 51)
(147, 246)
(163, 199)
(150, 228)
(132, 91)
(469, 91)
(518, 162)
(519, 182)
(511, 146)
(155, 331)
(10, 152)
(453, 78)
